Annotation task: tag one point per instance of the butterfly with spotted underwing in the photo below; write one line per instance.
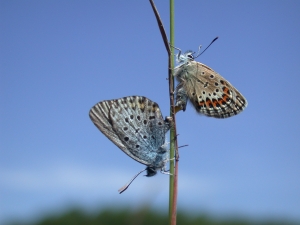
(210, 93)
(135, 124)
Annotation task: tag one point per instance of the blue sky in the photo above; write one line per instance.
(59, 58)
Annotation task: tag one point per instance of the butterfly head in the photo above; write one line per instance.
(151, 171)
(186, 57)
(189, 55)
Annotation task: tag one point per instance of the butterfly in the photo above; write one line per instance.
(135, 124)
(208, 91)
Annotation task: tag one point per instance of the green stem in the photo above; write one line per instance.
(173, 142)
(173, 133)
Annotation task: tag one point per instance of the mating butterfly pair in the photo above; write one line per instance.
(136, 125)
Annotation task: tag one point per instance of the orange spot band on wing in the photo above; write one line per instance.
(208, 103)
(202, 103)
(225, 98)
(221, 101)
(215, 103)
(226, 90)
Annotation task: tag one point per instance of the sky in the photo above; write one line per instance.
(59, 58)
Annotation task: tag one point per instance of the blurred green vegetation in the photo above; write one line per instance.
(141, 217)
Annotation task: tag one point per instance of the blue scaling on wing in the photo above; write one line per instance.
(136, 125)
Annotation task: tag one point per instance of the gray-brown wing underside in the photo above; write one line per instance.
(208, 91)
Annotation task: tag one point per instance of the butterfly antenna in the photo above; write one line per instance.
(205, 48)
(182, 146)
(122, 189)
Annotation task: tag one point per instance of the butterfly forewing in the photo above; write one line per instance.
(99, 114)
(134, 124)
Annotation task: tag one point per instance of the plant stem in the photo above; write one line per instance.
(173, 132)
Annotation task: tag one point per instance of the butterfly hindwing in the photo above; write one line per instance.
(208, 91)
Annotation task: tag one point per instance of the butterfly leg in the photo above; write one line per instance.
(179, 53)
(167, 160)
(178, 56)
(164, 170)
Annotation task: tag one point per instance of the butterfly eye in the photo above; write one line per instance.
(190, 56)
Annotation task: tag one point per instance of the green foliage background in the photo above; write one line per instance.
(141, 217)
